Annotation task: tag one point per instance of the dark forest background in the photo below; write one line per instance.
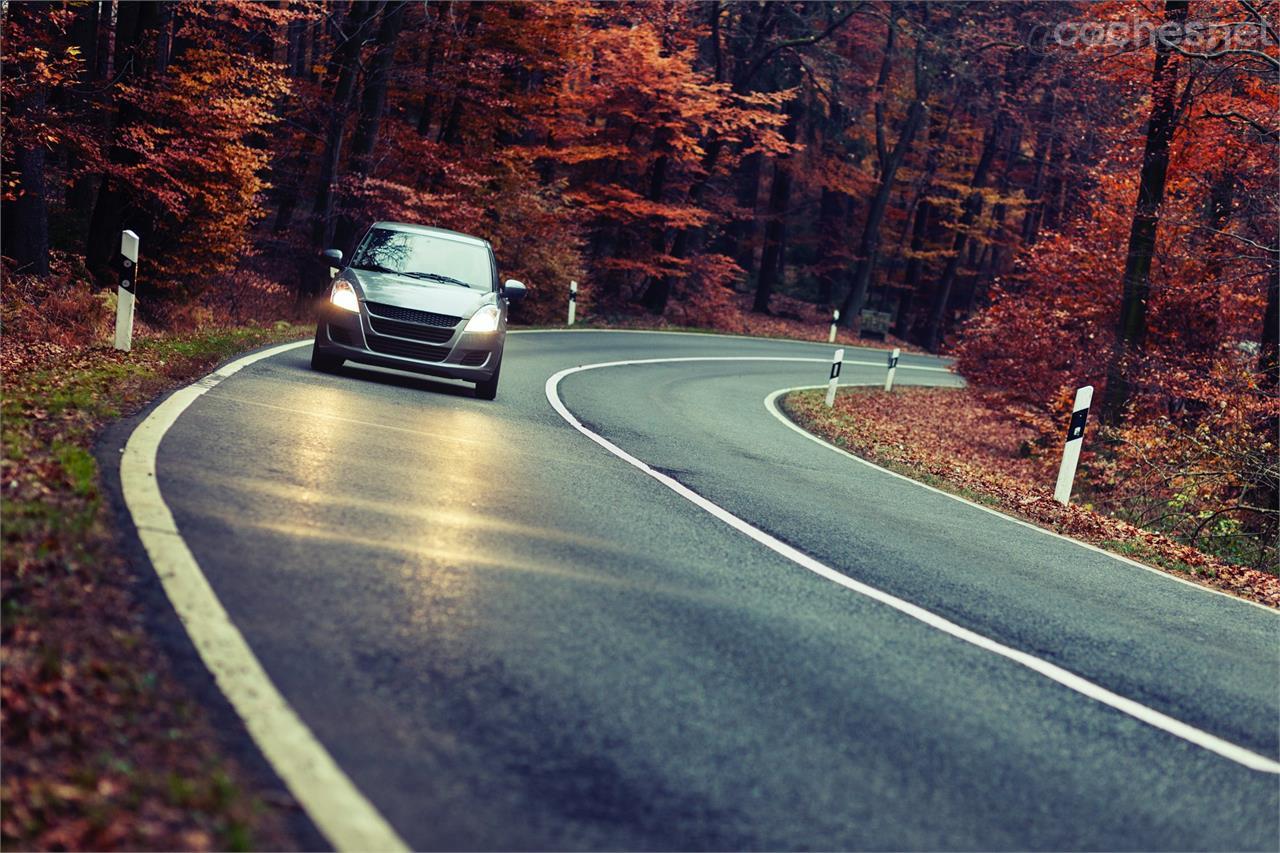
(1056, 193)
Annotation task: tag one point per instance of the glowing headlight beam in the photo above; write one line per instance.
(484, 320)
(344, 296)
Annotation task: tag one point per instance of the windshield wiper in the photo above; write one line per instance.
(435, 276)
(431, 276)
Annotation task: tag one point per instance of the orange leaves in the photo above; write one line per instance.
(921, 431)
(632, 121)
(624, 206)
(36, 64)
(200, 149)
(841, 176)
(102, 749)
(577, 155)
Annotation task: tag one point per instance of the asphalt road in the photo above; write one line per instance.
(511, 639)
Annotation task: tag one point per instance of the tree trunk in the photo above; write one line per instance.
(428, 91)
(346, 58)
(288, 171)
(1131, 332)
(1269, 353)
(108, 21)
(296, 50)
(26, 219)
(1046, 141)
(830, 239)
(923, 221)
(166, 24)
(373, 102)
(775, 229)
(869, 243)
(113, 211)
(312, 40)
(889, 163)
(27, 238)
(993, 252)
(659, 290)
(655, 295)
(374, 98)
(915, 267)
(973, 207)
(84, 34)
(739, 236)
(87, 33)
(774, 235)
(451, 127)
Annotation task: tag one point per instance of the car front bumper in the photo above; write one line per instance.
(471, 356)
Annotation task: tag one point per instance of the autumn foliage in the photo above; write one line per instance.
(1190, 446)
(1060, 194)
(1057, 194)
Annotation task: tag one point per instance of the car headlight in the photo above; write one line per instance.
(344, 296)
(484, 320)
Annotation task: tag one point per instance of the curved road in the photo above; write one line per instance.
(510, 638)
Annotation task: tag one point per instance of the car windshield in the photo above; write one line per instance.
(426, 257)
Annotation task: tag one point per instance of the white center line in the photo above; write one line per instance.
(1150, 716)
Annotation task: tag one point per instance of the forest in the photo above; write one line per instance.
(1053, 193)
(1048, 195)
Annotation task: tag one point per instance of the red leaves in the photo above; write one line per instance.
(931, 432)
(625, 207)
(102, 750)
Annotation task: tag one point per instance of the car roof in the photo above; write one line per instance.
(434, 232)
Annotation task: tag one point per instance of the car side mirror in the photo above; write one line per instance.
(513, 290)
(334, 255)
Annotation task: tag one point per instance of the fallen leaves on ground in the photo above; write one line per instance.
(950, 438)
(103, 749)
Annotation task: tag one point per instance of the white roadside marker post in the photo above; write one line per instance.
(893, 368)
(836, 361)
(573, 302)
(835, 318)
(1071, 450)
(124, 294)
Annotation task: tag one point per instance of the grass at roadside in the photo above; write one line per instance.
(102, 748)
(947, 439)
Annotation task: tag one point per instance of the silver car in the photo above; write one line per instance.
(420, 299)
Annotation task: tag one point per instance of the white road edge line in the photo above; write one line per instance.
(1070, 680)
(338, 809)
(772, 407)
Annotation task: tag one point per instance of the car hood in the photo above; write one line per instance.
(405, 292)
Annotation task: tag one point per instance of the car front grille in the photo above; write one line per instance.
(475, 357)
(410, 315)
(406, 349)
(430, 334)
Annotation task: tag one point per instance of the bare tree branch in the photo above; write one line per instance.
(1256, 125)
(1261, 21)
(1218, 54)
(802, 41)
(1270, 250)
